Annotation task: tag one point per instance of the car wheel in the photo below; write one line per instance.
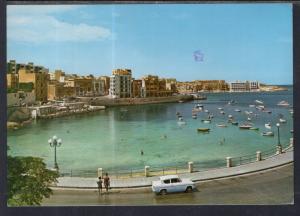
(189, 189)
(163, 192)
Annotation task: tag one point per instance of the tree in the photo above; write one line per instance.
(28, 181)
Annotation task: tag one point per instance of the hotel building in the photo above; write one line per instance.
(120, 83)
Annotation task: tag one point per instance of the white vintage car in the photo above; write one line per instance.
(172, 183)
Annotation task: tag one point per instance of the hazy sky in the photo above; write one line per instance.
(236, 41)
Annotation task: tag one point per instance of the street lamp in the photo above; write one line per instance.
(278, 125)
(54, 142)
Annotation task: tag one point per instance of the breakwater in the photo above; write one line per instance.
(108, 102)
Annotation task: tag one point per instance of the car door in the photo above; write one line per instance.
(176, 185)
(167, 185)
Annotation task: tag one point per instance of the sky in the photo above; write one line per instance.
(182, 41)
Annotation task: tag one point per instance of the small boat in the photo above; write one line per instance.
(259, 102)
(251, 105)
(249, 119)
(260, 107)
(194, 116)
(231, 102)
(199, 105)
(283, 103)
(222, 112)
(254, 128)
(268, 133)
(220, 108)
(281, 120)
(230, 116)
(181, 122)
(291, 111)
(203, 129)
(247, 112)
(245, 126)
(207, 121)
(292, 131)
(237, 110)
(221, 125)
(268, 125)
(267, 111)
(206, 111)
(234, 123)
(180, 101)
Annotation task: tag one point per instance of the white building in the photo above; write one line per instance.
(120, 83)
(243, 86)
(98, 87)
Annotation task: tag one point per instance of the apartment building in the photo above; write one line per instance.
(120, 83)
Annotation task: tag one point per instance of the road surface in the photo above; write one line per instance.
(275, 186)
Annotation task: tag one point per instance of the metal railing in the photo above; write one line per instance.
(178, 168)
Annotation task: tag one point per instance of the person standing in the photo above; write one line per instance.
(99, 182)
(106, 182)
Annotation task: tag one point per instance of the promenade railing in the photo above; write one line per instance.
(177, 168)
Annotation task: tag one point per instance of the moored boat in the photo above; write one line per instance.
(268, 125)
(268, 133)
(206, 121)
(254, 128)
(259, 102)
(237, 110)
(194, 116)
(283, 103)
(203, 129)
(234, 123)
(245, 126)
(221, 125)
(281, 120)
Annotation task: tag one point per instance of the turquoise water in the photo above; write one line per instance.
(114, 138)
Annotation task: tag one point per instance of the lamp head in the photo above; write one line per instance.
(49, 141)
(54, 137)
(278, 125)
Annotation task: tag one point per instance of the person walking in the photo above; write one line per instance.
(106, 182)
(99, 182)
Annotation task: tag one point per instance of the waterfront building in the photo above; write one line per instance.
(98, 87)
(136, 88)
(37, 80)
(120, 83)
(57, 91)
(59, 76)
(14, 67)
(20, 98)
(83, 85)
(12, 80)
(106, 80)
(171, 85)
(243, 86)
(202, 85)
(150, 86)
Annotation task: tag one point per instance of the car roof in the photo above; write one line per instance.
(168, 177)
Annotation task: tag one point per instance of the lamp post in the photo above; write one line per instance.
(279, 148)
(55, 142)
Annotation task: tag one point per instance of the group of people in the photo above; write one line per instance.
(105, 181)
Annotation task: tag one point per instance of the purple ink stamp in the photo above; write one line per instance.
(198, 55)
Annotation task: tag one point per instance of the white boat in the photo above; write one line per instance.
(220, 108)
(221, 125)
(268, 133)
(283, 103)
(206, 121)
(237, 110)
(247, 112)
(249, 119)
(259, 102)
(222, 112)
(268, 125)
(181, 122)
(245, 126)
(267, 111)
(251, 105)
(194, 116)
(230, 116)
(281, 120)
(206, 111)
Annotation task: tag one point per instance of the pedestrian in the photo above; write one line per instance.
(99, 185)
(106, 182)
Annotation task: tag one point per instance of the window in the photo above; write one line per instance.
(175, 180)
(167, 181)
